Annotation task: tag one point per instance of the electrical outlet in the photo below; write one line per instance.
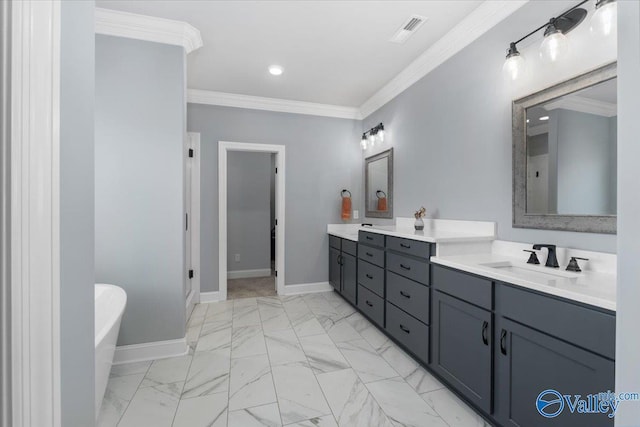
(237, 257)
(356, 214)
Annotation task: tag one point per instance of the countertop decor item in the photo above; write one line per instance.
(419, 214)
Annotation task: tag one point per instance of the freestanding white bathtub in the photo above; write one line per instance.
(110, 302)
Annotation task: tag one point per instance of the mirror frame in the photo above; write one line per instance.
(388, 154)
(605, 224)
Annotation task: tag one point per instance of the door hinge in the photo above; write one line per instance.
(186, 221)
(276, 222)
(190, 152)
(190, 274)
(276, 273)
(276, 170)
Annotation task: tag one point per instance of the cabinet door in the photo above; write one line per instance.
(349, 277)
(529, 362)
(462, 347)
(334, 268)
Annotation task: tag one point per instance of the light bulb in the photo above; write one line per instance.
(554, 46)
(380, 135)
(363, 142)
(372, 139)
(605, 19)
(514, 67)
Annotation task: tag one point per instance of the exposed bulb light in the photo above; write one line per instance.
(380, 133)
(372, 139)
(276, 70)
(604, 20)
(514, 65)
(527, 120)
(554, 45)
(363, 142)
(543, 118)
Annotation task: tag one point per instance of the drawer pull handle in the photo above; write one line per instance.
(368, 303)
(368, 254)
(485, 328)
(405, 267)
(503, 342)
(405, 294)
(369, 237)
(370, 277)
(405, 329)
(402, 245)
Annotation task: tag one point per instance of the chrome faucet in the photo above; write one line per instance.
(552, 261)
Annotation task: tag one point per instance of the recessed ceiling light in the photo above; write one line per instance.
(543, 118)
(275, 70)
(527, 120)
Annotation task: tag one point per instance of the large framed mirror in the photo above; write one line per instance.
(565, 155)
(378, 183)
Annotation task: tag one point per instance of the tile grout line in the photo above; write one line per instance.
(134, 394)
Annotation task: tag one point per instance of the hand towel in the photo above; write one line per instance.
(346, 205)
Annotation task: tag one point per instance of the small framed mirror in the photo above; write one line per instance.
(564, 155)
(378, 182)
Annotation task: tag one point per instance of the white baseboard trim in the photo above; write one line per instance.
(246, 274)
(150, 351)
(307, 288)
(209, 296)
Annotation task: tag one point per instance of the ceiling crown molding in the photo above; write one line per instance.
(149, 28)
(478, 22)
(584, 105)
(197, 96)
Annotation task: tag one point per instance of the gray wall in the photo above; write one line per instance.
(323, 156)
(584, 163)
(77, 213)
(139, 183)
(460, 114)
(628, 315)
(248, 210)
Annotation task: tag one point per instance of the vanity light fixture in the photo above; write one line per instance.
(555, 44)
(372, 136)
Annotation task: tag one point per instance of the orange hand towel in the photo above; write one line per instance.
(382, 204)
(346, 208)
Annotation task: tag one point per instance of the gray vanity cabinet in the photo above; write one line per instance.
(343, 267)
(529, 362)
(461, 347)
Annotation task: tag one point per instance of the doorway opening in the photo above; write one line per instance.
(251, 219)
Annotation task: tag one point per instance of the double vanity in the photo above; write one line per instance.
(496, 330)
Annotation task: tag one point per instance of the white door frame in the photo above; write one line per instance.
(35, 213)
(279, 150)
(192, 141)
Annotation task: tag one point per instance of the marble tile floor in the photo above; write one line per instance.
(308, 360)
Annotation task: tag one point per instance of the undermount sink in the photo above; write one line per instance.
(531, 269)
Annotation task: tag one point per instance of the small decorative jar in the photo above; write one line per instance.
(419, 224)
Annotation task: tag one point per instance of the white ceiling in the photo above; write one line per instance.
(333, 52)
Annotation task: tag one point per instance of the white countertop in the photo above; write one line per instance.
(589, 287)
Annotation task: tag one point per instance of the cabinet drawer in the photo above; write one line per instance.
(334, 242)
(371, 277)
(371, 305)
(410, 247)
(408, 295)
(371, 238)
(408, 267)
(462, 285)
(350, 247)
(372, 255)
(409, 331)
(585, 327)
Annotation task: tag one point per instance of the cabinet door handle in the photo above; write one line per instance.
(368, 303)
(368, 237)
(485, 328)
(340, 259)
(402, 245)
(405, 329)
(503, 342)
(370, 277)
(405, 294)
(368, 254)
(405, 267)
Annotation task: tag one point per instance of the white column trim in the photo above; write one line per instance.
(223, 148)
(35, 216)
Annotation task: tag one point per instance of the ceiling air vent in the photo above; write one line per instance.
(410, 26)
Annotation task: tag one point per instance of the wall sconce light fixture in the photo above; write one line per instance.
(372, 136)
(555, 43)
